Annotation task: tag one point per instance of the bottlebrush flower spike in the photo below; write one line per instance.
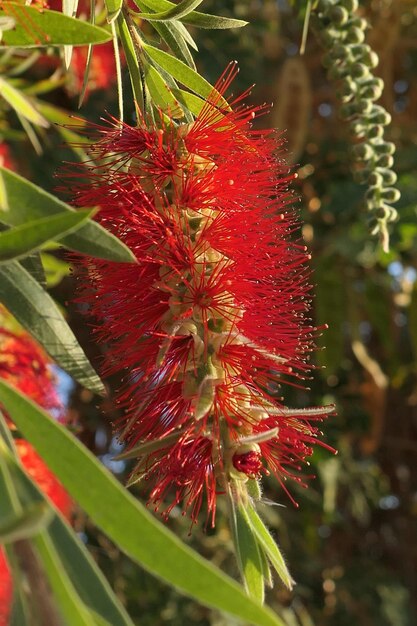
(25, 365)
(213, 318)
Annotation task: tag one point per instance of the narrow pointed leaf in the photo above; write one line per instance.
(21, 200)
(249, 556)
(69, 7)
(34, 308)
(195, 18)
(113, 9)
(21, 104)
(160, 93)
(73, 610)
(29, 523)
(34, 28)
(24, 239)
(182, 9)
(271, 549)
(168, 31)
(90, 584)
(184, 74)
(124, 519)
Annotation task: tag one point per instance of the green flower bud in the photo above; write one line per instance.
(358, 22)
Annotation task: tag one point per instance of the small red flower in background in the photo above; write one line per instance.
(213, 318)
(102, 70)
(6, 159)
(25, 365)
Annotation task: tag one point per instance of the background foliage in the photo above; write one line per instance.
(351, 544)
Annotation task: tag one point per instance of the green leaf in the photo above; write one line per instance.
(184, 74)
(161, 94)
(30, 522)
(21, 104)
(33, 265)
(124, 520)
(170, 34)
(34, 308)
(190, 100)
(55, 269)
(34, 28)
(113, 9)
(248, 555)
(24, 239)
(195, 18)
(179, 10)
(74, 611)
(89, 582)
(21, 200)
(270, 547)
(131, 59)
(69, 7)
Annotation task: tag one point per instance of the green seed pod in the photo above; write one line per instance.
(350, 5)
(379, 115)
(348, 111)
(375, 179)
(389, 177)
(374, 132)
(339, 70)
(359, 50)
(355, 35)
(358, 22)
(362, 152)
(384, 147)
(358, 128)
(382, 212)
(338, 15)
(385, 161)
(371, 93)
(359, 70)
(339, 52)
(391, 194)
(370, 59)
(392, 214)
(364, 107)
(373, 196)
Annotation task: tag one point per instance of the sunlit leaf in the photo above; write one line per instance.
(124, 520)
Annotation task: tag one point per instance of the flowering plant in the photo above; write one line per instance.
(190, 268)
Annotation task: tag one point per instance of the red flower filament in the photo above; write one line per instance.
(214, 315)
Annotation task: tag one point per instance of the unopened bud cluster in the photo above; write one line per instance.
(350, 61)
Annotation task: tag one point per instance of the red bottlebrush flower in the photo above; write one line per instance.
(25, 365)
(6, 159)
(213, 318)
(6, 591)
